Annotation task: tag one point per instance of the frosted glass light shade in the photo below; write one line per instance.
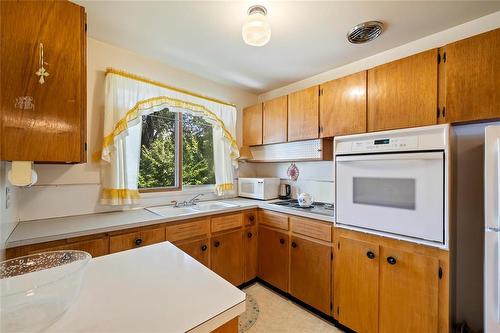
(256, 30)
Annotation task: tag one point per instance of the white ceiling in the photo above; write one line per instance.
(307, 37)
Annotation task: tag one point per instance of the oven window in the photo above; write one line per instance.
(247, 187)
(387, 192)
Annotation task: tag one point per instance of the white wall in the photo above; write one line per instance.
(74, 189)
(8, 208)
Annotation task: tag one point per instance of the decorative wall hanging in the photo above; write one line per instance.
(293, 172)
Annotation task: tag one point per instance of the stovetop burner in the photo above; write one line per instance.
(317, 207)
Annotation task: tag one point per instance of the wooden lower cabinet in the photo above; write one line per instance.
(251, 243)
(310, 273)
(274, 254)
(356, 284)
(227, 257)
(408, 294)
(198, 249)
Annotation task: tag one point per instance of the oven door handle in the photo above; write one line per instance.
(388, 157)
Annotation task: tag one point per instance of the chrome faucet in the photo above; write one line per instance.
(191, 202)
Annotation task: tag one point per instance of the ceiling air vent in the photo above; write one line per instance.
(365, 32)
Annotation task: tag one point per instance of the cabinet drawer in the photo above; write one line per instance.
(96, 247)
(188, 230)
(131, 240)
(311, 228)
(272, 219)
(227, 222)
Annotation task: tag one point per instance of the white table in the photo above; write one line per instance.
(156, 288)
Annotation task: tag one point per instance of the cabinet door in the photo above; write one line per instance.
(43, 122)
(274, 255)
(275, 126)
(342, 106)
(198, 249)
(251, 244)
(252, 125)
(356, 284)
(227, 256)
(403, 93)
(408, 292)
(310, 272)
(303, 114)
(472, 70)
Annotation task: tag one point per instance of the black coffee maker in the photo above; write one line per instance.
(285, 191)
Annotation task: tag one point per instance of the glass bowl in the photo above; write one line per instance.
(37, 289)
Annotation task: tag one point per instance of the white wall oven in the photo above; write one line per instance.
(395, 183)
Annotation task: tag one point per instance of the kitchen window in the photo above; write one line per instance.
(176, 152)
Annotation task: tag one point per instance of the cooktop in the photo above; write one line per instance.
(321, 208)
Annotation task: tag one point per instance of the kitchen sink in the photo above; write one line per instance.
(212, 205)
(169, 211)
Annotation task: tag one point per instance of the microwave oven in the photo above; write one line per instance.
(258, 188)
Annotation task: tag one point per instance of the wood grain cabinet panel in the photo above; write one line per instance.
(356, 284)
(303, 114)
(186, 230)
(252, 125)
(312, 228)
(96, 247)
(472, 71)
(409, 284)
(227, 256)
(198, 249)
(403, 93)
(227, 222)
(342, 106)
(274, 255)
(135, 239)
(43, 122)
(273, 219)
(275, 116)
(310, 276)
(251, 244)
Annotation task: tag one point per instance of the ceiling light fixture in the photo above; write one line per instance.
(256, 31)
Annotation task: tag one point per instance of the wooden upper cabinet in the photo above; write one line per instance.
(252, 125)
(409, 284)
(310, 278)
(43, 122)
(342, 106)
(472, 78)
(403, 93)
(356, 278)
(303, 114)
(275, 115)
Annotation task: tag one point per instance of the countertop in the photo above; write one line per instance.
(156, 288)
(40, 231)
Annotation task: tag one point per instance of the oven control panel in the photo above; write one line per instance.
(385, 144)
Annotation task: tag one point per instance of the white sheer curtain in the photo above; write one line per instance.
(128, 98)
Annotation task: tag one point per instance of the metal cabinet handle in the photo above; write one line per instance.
(391, 260)
(249, 235)
(282, 241)
(294, 244)
(138, 241)
(216, 243)
(252, 218)
(370, 255)
(204, 247)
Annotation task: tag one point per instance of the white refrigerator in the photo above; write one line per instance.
(492, 230)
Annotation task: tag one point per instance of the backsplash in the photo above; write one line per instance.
(316, 178)
(8, 211)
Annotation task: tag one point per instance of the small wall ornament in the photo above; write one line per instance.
(42, 72)
(293, 172)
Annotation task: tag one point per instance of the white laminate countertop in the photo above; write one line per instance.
(40, 231)
(155, 288)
